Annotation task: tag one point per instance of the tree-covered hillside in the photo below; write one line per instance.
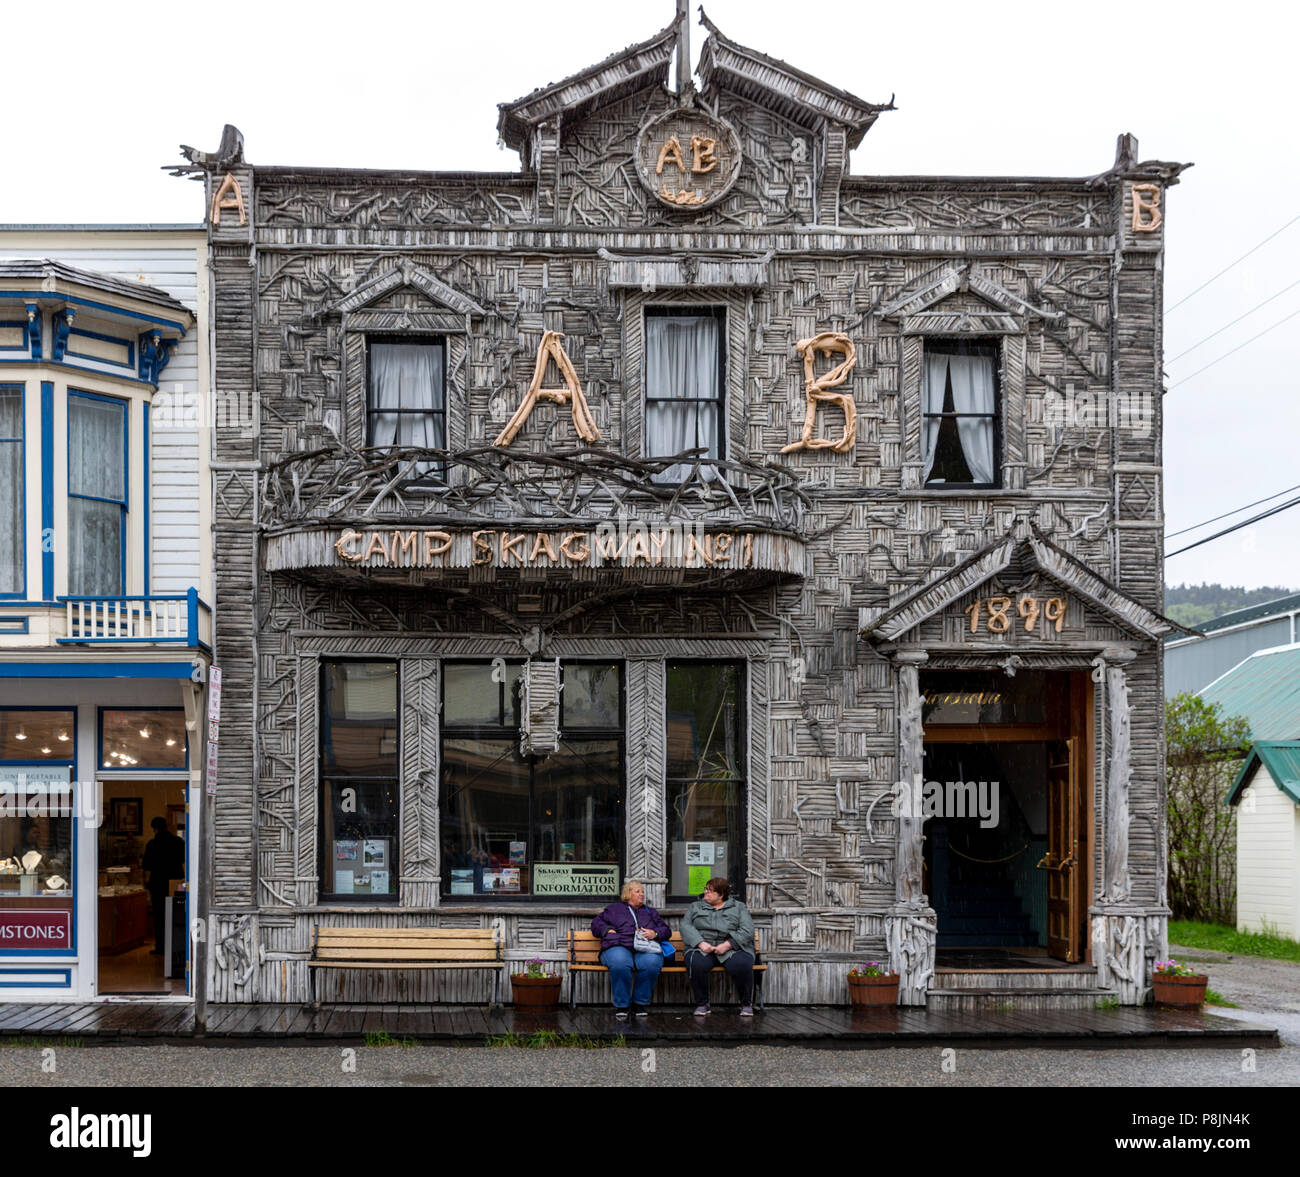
(1191, 604)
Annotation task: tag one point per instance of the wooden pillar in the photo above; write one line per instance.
(1117, 886)
(911, 927)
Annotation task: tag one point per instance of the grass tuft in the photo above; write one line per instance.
(384, 1038)
(546, 1039)
(1213, 997)
(43, 1043)
(1222, 938)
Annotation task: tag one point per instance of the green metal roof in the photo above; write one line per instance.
(1277, 608)
(1281, 758)
(1265, 690)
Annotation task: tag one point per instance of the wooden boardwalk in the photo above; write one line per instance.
(147, 1021)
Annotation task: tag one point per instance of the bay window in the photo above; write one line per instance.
(97, 495)
(960, 398)
(13, 485)
(685, 385)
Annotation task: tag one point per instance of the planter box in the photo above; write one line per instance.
(873, 990)
(1181, 992)
(534, 991)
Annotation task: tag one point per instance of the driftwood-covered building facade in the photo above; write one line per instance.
(683, 505)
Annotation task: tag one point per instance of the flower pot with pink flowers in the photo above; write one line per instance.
(1178, 985)
(873, 983)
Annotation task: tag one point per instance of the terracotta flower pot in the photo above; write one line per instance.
(1184, 992)
(534, 991)
(873, 990)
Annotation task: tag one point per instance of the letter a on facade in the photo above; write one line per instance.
(570, 394)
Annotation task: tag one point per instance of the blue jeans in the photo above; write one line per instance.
(623, 965)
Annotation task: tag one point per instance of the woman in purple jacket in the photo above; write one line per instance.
(632, 974)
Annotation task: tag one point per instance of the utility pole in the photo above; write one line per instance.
(683, 48)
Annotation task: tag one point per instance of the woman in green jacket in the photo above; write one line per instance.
(718, 930)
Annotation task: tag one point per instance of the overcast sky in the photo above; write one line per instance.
(996, 89)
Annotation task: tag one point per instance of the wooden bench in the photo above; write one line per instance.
(406, 948)
(584, 957)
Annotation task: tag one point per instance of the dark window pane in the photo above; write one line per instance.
(579, 812)
(96, 448)
(590, 696)
(360, 838)
(95, 548)
(484, 820)
(704, 721)
(705, 827)
(360, 728)
(472, 698)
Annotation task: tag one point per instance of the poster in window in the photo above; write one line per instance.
(564, 878)
(343, 882)
(501, 880)
(345, 849)
(518, 853)
(699, 853)
(362, 881)
(379, 882)
(462, 882)
(375, 852)
(696, 879)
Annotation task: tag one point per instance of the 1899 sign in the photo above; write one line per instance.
(994, 613)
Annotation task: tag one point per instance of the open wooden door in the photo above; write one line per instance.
(1064, 858)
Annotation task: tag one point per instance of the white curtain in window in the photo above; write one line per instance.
(407, 376)
(973, 391)
(11, 492)
(96, 467)
(682, 366)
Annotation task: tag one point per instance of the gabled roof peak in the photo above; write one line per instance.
(777, 85)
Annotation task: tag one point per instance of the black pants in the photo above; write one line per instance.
(159, 899)
(739, 966)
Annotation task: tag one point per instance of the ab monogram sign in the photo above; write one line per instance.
(688, 159)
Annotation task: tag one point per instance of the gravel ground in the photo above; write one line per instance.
(1268, 991)
(752, 1066)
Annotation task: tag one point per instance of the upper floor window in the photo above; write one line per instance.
(684, 385)
(97, 495)
(407, 399)
(12, 491)
(961, 413)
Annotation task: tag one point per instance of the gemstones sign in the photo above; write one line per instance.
(688, 159)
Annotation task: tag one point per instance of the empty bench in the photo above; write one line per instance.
(584, 957)
(406, 948)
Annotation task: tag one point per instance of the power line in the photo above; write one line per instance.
(1236, 349)
(1235, 321)
(1236, 527)
(1244, 256)
(1206, 522)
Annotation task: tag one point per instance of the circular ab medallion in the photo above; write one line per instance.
(688, 159)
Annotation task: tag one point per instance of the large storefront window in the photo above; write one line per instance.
(542, 826)
(37, 849)
(142, 738)
(359, 776)
(706, 776)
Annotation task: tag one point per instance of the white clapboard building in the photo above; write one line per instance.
(105, 499)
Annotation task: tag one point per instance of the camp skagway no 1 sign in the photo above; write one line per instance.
(688, 159)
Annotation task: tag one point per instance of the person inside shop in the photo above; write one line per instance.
(164, 860)
(632, 938)
(718, 930)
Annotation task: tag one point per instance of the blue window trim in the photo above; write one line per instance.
(21, 442)
(48, 298)
(20, 325)
(47, 489)
(57, 668)
(11, 624)
(83, 370)
(100, 767)
(65, 984)
(129, 344)
(125, 502)
(71, 762)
